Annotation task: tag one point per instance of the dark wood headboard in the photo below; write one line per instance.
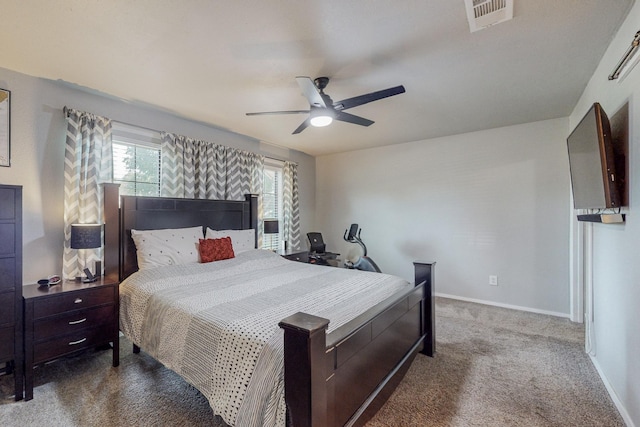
(149, 213)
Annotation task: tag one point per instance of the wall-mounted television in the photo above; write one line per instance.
(594, 181)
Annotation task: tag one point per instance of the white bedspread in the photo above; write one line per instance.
(216, 324)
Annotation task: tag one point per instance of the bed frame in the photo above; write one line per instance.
(331, 379)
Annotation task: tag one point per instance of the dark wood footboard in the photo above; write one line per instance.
(341, 378)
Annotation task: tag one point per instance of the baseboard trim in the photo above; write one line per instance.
(616, 400)
(513, 307)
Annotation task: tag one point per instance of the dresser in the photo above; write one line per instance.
(11, 284)
(68, 318)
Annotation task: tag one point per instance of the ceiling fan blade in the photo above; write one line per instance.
(311, 92)
(350, 118)
(263, 113)
(302, 126)
(369, 97)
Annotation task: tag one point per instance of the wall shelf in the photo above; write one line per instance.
(603, 218)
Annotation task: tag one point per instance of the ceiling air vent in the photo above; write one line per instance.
(485, 13)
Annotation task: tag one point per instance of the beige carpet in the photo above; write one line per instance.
(501, 367)
(494, 367)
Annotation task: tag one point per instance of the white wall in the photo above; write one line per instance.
(494, 202)
(616, 276)
(37, 158)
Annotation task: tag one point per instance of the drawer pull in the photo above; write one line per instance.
(75, 322)
(78, 301)
(77, 342)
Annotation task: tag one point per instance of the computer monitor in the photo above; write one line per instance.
(316, 242)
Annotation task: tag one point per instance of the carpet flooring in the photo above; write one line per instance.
(494, 367)
(501, 367)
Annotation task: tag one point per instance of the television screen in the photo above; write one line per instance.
(592, 163)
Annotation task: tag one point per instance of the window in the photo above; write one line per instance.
(136, 160)
(272, 202)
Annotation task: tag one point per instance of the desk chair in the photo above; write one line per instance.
(317, 250)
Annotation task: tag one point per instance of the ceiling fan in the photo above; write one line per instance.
(322, 110)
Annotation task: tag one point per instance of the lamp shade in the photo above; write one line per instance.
(271, 226)
(86, 236)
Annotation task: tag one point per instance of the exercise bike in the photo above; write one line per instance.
(364, 262)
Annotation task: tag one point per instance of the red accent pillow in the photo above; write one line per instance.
(216, 249)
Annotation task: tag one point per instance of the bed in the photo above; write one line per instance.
(240, 330)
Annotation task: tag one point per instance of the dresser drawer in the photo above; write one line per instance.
(6, 344)
(7, 273)
(65, 344)
(10, 204)
(68, 301)
(72, 322)
(8, 241)
(8, 311)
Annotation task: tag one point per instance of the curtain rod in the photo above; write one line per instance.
(260, 142)
(627, 58)
(65, 109)
(137, 126)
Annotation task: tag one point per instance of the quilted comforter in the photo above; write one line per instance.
(216, 324)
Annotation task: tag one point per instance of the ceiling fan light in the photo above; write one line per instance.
(321, 117)
(321, 121)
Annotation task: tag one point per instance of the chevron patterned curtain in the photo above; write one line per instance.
(203, 170)
(291, 206)
(244, 176)
(192, 169)
(87, 164)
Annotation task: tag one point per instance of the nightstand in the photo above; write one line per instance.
(67, 318)
(300, 256)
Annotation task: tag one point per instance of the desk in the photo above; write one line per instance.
(327, 258)
(300, 256)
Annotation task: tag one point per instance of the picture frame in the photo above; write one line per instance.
(5, 128)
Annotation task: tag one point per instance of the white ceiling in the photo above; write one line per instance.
(213, 61)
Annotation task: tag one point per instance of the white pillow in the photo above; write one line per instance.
(168, 246)
(241, 240)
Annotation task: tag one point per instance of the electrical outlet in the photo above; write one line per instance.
(493, 280)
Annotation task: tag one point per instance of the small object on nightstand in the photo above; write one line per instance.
(52, 280)
(90, 277)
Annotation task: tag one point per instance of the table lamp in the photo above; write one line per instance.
(87, 236)
(271, 227)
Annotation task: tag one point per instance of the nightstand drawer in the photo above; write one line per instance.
(72, 322)
(8, 304)
(72, 301)
(62, 345)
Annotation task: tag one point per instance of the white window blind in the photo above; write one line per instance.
(272, 203)
(136, 160)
